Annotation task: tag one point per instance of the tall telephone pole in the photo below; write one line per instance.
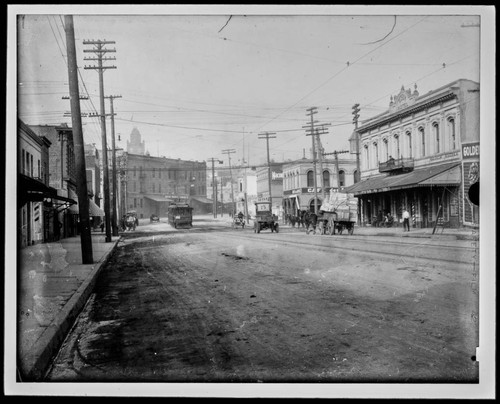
(214, 186)
(76, 123)
(229, 152)
(100, 51)
(313, 111)
(267, 136)
(355, 113)
(114, 217)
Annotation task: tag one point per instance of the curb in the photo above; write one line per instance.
(50, 341)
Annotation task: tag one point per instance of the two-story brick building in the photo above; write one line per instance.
(298, 181)
(422, 154)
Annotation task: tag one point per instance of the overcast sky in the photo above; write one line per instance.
(196, 81)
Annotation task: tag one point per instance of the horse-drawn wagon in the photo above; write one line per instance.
(339, 213)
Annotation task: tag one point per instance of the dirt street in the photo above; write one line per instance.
(223, 305)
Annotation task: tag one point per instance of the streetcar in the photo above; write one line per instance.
(180, 215)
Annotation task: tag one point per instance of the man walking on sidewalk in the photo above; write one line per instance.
(406, 220)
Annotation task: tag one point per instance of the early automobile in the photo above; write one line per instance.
(264, 218)
(154, 218)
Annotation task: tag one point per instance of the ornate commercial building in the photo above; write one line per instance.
(422, 154)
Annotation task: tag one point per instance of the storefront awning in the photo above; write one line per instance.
(442, 175)
(94, 210)
(158, 198)
(202, 199)
(33, 190)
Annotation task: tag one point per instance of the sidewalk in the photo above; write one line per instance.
(53, 287)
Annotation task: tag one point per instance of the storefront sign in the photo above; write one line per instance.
(470, 151)
(276, 176)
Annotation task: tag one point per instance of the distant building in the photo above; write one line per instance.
(262, 176)
(150, 184)
(136, 145)
(422, 154)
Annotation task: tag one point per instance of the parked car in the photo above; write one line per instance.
(154, 218)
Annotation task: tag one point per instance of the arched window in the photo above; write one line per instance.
(326, 179)
(422, 140)
(386, 149)
(341, 178)
(375, 148)
(398, 151)
(435, 129)
(367, 156)
(408, 140)
(310, 179)
(356, 179)
(453, 133)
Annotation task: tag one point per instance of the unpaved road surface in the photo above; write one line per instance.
(223, 305)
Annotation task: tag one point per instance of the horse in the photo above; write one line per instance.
(130, 222)
(310, 220)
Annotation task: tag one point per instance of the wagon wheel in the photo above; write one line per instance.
(243, 225)
(276, 228)
(255, 227)
(331, 228)
(351, 229)
(341, 228)
(258, 227)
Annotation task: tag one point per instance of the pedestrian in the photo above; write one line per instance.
(380, 218)
(102, 226)
(406, 220)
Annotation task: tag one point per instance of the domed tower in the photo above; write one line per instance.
(136, 145)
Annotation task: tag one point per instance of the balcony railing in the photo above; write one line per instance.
(402, 164)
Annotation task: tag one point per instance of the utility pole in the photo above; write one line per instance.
(310, 129)
(114, 218)
(267, 136)
(76, 123)
(214, 186)
(336, 153)
(320, 130)
(229, 152)
(100, 51)
(355, 112)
